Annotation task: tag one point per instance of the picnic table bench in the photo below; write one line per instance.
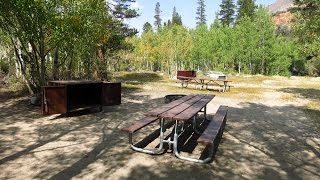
(205, 82)
(179, 112)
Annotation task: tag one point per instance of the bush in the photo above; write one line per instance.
(313, 67)
(4, 66)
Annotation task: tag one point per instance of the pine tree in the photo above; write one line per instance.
(169, 23)
(215, 22)
(246, 8)
(176, 18)
(227, 12)
(157, 22)
(146, 27)
(201, 16)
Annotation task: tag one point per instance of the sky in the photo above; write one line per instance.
(186, 8)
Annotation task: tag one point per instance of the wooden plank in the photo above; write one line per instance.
(166, 107)
(54, 100)
(64, 82)
(111, 93)
(139, 124)
(185, 78)
(178, 109)
(214, 127)
(194, 109)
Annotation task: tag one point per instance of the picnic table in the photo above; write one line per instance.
(205, 82)
(181, 111)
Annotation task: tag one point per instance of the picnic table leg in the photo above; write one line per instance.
(176, 152)
(184, 82)
(194, 122)
(150, 151)
(224, 86)
(204, 112)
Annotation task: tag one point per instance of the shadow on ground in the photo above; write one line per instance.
(259, 142)
(312, 95)
(308, 93)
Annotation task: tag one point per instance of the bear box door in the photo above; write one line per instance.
(54, 100)
(111, 93)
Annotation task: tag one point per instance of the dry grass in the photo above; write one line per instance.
(288, 97)
(249, 79)
(263, 140)
(313, 112)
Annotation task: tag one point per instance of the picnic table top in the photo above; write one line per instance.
(182, 109)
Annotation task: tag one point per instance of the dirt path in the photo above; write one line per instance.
(266, 139)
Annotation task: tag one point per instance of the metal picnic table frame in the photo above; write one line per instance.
(203, 81)
(180, 111)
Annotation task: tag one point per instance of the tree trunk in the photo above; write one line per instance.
(22, 70)
(55, 64)
(239, 67)
(42, 60)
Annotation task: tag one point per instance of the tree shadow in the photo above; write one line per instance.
(308, 93)
(281, 138)
(259, 142)
(25, 132)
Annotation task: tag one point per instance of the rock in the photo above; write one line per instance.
(36, 100)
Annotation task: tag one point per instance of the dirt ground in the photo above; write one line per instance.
(268, 138)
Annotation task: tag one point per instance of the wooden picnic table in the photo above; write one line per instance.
(179, 113)
(204, 82)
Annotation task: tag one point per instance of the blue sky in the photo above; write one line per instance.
(186, 8)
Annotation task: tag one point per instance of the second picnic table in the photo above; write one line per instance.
(204, 82)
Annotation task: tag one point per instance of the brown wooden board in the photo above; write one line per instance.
(194, 109)
(70, 82)
(214, 127)
(186, 73)
(181, 107)
(166, 107)
(111, 94)
(139, 124)
(54, 100)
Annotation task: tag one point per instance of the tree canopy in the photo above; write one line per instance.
(245, 8)
(52, 40)
(250, 47)
(307, 29)
(60, 39)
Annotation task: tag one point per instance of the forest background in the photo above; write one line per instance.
(88, 39)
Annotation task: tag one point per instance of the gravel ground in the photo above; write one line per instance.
(266, 139)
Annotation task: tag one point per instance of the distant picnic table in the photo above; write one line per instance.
(204, 82)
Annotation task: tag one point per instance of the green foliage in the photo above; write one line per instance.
(176, 18)
(307, 29)
(250, 47)
(246, 8)
(4, 66)
(146, 27)
(61, 39)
